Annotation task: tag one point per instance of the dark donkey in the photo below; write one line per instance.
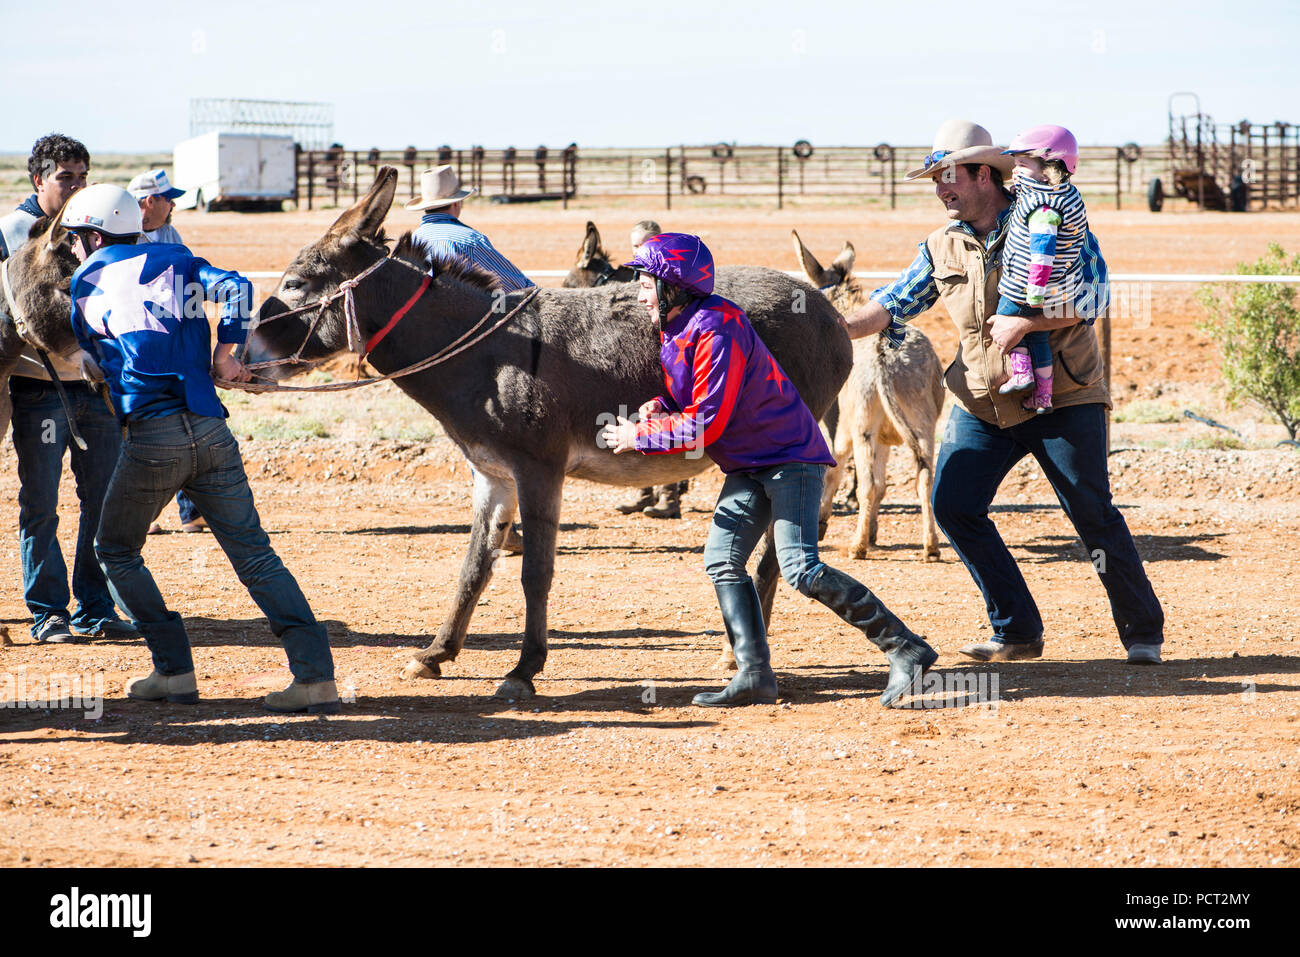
(526, 403)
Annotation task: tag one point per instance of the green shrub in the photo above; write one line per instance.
(1257, 328)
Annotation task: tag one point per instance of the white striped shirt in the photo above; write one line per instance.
(1028, 245)
(447, 237)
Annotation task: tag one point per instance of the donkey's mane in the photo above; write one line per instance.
(456, 267)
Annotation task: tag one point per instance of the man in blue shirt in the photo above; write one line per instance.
(137, 311)
(441, 234)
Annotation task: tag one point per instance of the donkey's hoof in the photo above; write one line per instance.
(727, 662)
(931, 556)
(417, 669)
(516, 689)
(822, 529)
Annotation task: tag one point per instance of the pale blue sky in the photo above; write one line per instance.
(643, 72)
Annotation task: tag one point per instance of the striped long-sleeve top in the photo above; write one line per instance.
(915, 290)
(446, 237)
(1041, 263)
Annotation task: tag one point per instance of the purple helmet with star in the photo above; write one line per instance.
(678, 259)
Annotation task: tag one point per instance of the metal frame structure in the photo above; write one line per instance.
(1238, 166)
(310, 124)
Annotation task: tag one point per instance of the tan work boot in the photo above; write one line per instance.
(644, 498)
(178, 689)
(319, 697)
(669, 504)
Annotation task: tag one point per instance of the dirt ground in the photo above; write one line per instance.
(1076, 759)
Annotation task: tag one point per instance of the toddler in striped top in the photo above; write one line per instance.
(1040, 260)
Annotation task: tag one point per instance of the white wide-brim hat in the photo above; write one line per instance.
(439, 186)
(961, 141)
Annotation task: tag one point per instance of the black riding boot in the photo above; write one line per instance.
(755, 682)
(909, 655)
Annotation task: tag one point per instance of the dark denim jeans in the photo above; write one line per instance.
(198, 453)
(1070, 446)
(791, 494)
(41, 436)
(189, 511)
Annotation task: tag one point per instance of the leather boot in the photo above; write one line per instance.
(178, 689)
(755, 682)
(319, 697)
(644, 499)
(669, 504)
(909, 655)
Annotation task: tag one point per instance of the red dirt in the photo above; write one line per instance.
(1084, 760)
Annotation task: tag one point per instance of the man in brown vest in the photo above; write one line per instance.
(987, 432)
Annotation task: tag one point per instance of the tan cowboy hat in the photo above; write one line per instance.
(439, 186)
(960, 141)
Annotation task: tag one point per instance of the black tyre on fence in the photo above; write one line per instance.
(1156, 195)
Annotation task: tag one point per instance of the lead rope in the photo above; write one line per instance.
(467, 340)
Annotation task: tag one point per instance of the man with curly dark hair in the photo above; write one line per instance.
(58, 167)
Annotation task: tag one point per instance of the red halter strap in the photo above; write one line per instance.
(378, 337)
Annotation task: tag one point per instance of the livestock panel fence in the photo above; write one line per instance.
(683, 174)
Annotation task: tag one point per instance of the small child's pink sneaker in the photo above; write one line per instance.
(1022, 372)
(1040, 400)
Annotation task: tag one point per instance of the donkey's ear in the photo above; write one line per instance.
(64, 284)
(844, 261)
(54, 233)
(590, 246)
(811, 267)
(363, 220)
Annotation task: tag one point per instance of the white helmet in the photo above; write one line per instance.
(107, 209)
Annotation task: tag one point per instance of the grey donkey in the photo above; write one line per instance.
(892, 397)
(526, 404)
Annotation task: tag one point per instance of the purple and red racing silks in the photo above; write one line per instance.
(727, 395)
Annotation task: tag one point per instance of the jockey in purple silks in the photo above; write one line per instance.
(727, 396)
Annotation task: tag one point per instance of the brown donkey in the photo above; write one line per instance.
(892, 397)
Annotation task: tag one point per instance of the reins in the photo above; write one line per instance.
(467, 339)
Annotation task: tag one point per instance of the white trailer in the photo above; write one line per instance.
(234, 171)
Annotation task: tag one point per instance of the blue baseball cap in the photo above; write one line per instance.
(153, 183)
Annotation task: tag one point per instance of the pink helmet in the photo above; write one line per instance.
(1049, 143)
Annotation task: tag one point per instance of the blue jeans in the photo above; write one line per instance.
(1038, 343)
(189, 511)
(791, 495)
(41, 436)
(198, 453)
(1070, 446)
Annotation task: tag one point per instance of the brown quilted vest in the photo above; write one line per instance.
(967, 278)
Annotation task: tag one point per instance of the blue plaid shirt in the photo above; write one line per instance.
(915, 290)
(446, 237)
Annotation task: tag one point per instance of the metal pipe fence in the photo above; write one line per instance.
(684, 174)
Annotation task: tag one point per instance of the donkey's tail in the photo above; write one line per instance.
(888, 396)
